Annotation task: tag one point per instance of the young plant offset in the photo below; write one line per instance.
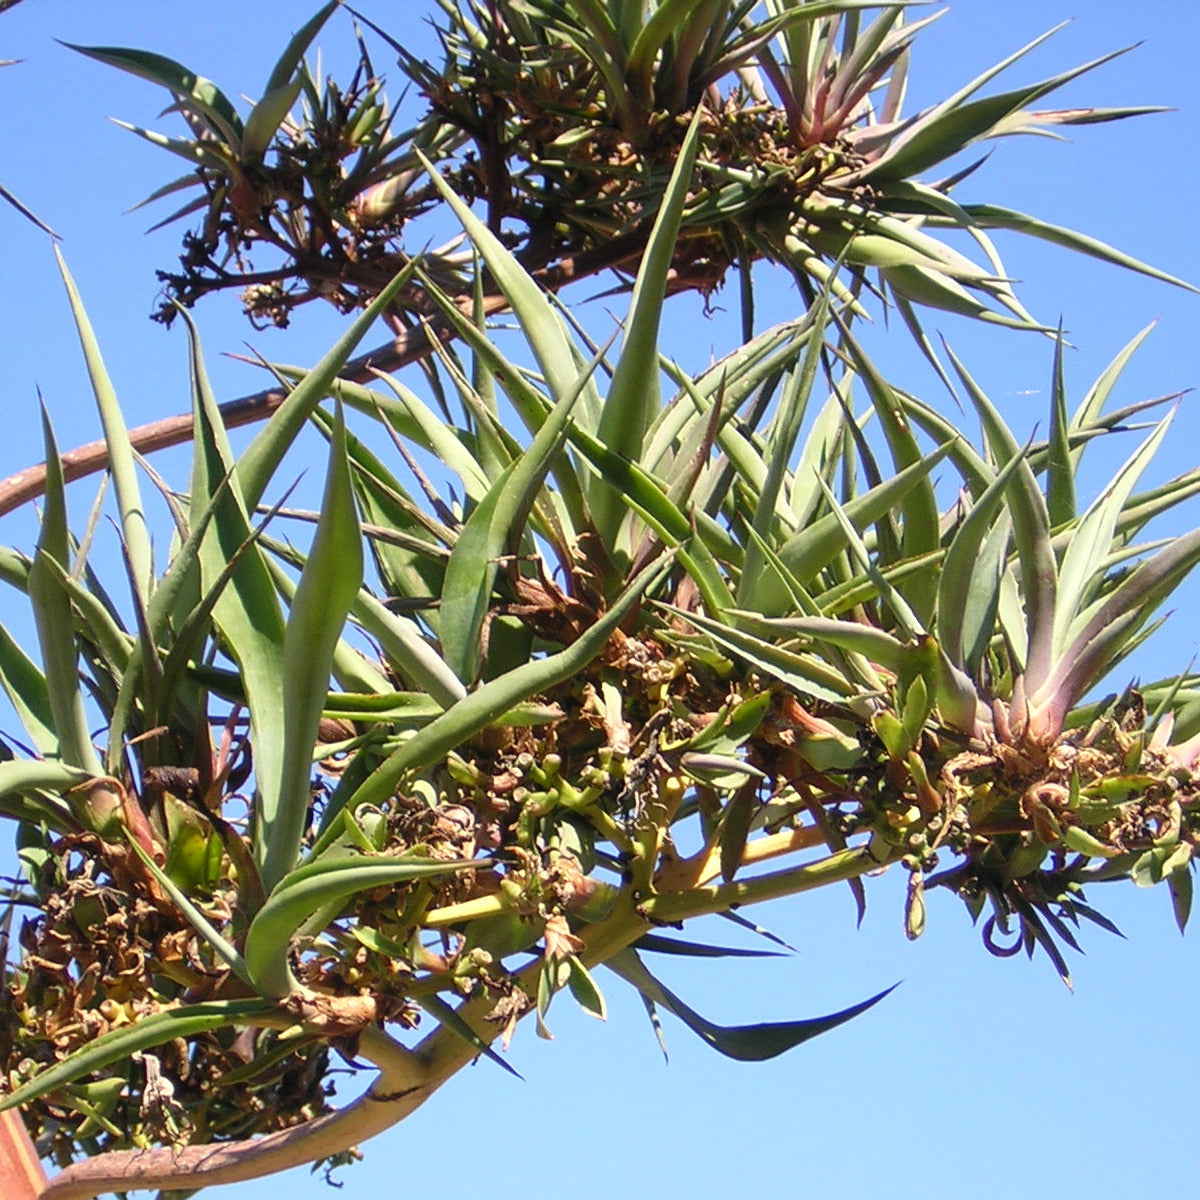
(386, 777)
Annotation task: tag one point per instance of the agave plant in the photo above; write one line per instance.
(651, 645)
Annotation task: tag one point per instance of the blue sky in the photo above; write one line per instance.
(978, 1074)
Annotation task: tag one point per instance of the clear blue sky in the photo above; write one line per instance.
(978, 1075)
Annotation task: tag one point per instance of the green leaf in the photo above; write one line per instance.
(194, 850)
(780, 444)
(416, 420)
(583, 987)
(313, 887)
(531, 406)
(1092, 537)
(1111, 624)
(551, 978)
(43, 779)
(201, 95)
(117, 1045)
(745, 1043)
(184, 210)
(728, 383)
(94, 616)
(297, 47)
(485, 705)
(26, 688)
(1146, 505)
(976, 472)
(247, 610)
(655, 943)
(266, 117)
(806, 552)
(1060, 477)
(328, 586)
(737, 817)
(190, 627)
(633, 396)
(1031, 532)
(183, 183)
(875, 644)
(1180, 883)
(807, 673)
(446, 1015)
(146, 680)
(352, 670)
(494, 529)
(199, 154)
(648, 498)
(732, 726)
(967, 584)
(917, 704)
(993, 216)
(54, 620)
(224, 949)
(908, 621)
(918, 507)
(540, 323)
(936, 289)
(992, 603)
(116, 437)
(25, 211)
(1097, 396)
(668, 19)
(952, 125)
(406, 649)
